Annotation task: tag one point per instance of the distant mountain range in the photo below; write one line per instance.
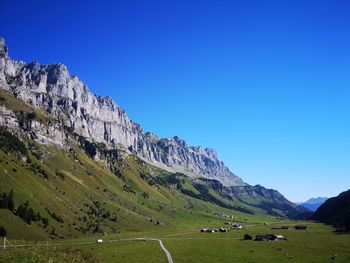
(313, 203)
(335, 211)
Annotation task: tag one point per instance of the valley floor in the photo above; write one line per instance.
(318, 244)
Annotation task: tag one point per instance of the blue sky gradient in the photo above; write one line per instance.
(265, 83)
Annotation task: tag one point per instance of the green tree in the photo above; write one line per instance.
(3, 232)
(3, 201)
(45, 222)
(10, 201)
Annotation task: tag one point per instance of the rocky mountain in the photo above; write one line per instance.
(313, 203)
(335, 211)
(65, 98)
(68, 151)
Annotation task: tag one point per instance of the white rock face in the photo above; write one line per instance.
(69, 101)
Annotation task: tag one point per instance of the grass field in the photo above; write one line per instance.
(318, 244)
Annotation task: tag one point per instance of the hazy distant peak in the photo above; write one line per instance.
(316, 200)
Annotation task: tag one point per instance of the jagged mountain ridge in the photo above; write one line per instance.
(69, 101)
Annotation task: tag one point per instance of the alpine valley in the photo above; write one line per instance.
(78, 164)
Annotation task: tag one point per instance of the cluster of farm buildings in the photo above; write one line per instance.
(261, 237)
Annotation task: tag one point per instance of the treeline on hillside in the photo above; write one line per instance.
(335, 211)
(24, 211)
(28, 215)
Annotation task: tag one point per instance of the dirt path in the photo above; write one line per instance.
(167, 253)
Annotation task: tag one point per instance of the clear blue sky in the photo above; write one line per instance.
(265, 83)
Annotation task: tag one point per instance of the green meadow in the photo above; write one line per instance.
(317, 244)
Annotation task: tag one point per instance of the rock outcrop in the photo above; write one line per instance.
(71, 105)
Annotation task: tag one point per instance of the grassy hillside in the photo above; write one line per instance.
(69, 194)
(335, 211)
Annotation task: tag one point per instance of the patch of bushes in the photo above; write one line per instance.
(205, 195)
(190, 193)
(117, 172)
(145, 195)
(37, 169)
(174, 180)
(3, 231)
(144, 176)
(10, 143)
(171, 180)
(128, 188)
(113, 218)
(97, 214)
(60, 174)
(247, 237)
(6, 201)
(28, 215)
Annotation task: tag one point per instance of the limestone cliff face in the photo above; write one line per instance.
(71, 104)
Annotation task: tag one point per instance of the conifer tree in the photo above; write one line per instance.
(10, 201)
(3, 232)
